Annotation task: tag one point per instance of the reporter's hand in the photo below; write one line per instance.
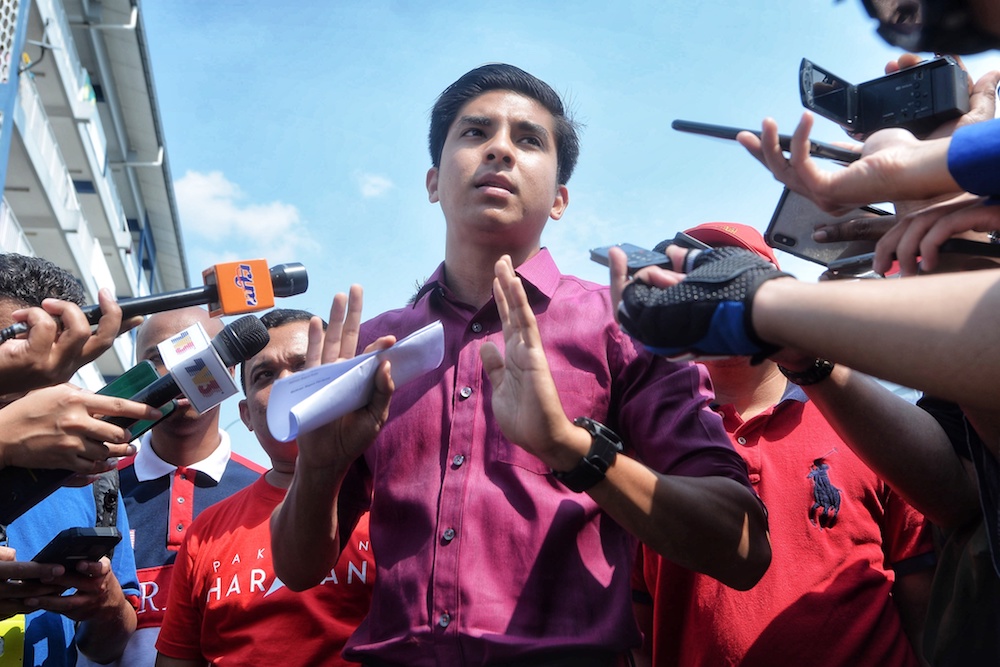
(895, 166)
(24, 580)
(921, 233)
(58, 427)
(97, 592)
(52, 351)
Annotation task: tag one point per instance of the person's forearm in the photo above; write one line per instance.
(902, 443)
(103, 638)
(933, 333)
(708, 524)
(304, 528)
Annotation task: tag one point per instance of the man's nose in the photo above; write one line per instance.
(500, 148)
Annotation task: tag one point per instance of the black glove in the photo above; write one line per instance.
(707, 314)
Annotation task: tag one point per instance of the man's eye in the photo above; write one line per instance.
(261, 376)
(534, 141)
(473, 132)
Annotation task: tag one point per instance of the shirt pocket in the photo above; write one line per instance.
(578, 392)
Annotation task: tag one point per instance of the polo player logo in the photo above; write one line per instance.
(826, 497)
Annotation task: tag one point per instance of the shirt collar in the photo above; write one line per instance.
(149, 466)
(540, 271)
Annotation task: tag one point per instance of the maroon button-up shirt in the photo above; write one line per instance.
(483, 556)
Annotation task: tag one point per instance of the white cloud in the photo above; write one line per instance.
(373, 185)
(214, 208)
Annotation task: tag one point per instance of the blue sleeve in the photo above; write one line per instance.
(974, 158)
(123, 560)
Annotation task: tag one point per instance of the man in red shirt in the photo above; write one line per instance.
(225, 600)
(852, 561)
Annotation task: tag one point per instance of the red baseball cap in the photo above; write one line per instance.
(718, 234)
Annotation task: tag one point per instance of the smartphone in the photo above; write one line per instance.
(686, 241)
(23, 488)
(816, 148)
(79, 544)
(795, 218)
(638, 258)
(129, 384)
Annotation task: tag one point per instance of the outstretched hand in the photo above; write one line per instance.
(525, 399)
(894, 166)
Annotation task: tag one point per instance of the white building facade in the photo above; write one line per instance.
(83, 160)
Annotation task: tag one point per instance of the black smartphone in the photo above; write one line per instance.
(816, 148)
(638, 258)
(686, 241)
(795, 218)
(129, 384)
(79, 544)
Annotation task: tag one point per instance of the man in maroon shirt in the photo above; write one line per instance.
(489, 551)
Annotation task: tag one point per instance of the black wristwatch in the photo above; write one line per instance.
(605, 447)
(819, 371)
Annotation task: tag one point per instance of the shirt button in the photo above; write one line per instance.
(477, 327)
(465, 393)
(444, 620)
(458, 460)
(449, 534)
(184, 477)
(180, 527)
(741, 440)
(180, 500)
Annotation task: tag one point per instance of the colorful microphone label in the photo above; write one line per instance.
(197, 368)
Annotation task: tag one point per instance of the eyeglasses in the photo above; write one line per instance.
(938, 26)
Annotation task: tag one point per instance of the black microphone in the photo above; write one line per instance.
(229, 289)
(236, 343)
(23, 488)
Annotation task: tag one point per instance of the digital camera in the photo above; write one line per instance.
(917, 98)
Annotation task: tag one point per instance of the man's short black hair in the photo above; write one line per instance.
(273, 319)
(30, 280)
(499, 76)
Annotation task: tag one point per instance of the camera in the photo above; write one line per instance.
(917, 98)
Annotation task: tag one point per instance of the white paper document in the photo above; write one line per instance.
(308, 399)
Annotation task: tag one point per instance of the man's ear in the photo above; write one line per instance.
(432, 185)
(560, 203)
(245, 414)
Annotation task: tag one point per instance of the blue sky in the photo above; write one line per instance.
(298, 131)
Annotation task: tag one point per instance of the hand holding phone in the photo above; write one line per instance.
(796, 217)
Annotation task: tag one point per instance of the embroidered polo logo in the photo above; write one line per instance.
(826, 497)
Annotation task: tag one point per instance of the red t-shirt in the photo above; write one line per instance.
(227, 607)
(836, 532)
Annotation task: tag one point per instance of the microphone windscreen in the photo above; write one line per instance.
(289, 279)
(241, 339)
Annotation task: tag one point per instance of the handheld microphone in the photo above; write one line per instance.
(236, 343)
(23, 488)
(232, 288)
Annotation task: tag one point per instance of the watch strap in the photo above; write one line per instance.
(819, 371)
(604, 448)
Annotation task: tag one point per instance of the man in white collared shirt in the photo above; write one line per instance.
(183, 465)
